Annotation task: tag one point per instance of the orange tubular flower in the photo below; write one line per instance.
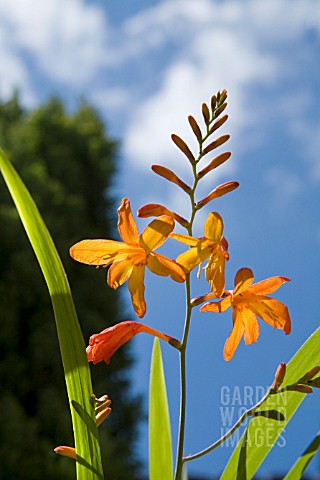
(103, 345)
(249, 302)
(129, 258)
(213, 246)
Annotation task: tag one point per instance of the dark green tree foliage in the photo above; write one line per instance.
(68, 164)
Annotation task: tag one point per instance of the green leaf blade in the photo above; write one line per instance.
(160, 447)
(255, 445)
(301, 464)
(71, 342)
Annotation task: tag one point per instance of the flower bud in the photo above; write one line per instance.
(300, 388)
(216, 162)
(218, 192)
(66, 452)
(220, 109)
(156, 210)
(218, 124)
(279, 376)
(309, 375)
(172, 177)
(181, 144)
(195, 128)
(213, 102)
(103, 413)
(215, 144)
(315, 383)
(223, 96)
(198, 300)
(205, 113)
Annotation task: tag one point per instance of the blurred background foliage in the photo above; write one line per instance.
(68, 163)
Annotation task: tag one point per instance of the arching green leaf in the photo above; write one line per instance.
(71, 342)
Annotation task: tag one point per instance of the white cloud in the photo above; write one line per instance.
(230, 45)
(65, 40)
(285, 185)
(307, 134)
(13, 72)
(186, 49)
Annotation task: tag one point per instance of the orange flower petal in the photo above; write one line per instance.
(217, 307)
(194, 256)
(126, 224)
(136, 288)
(119, 272)
(243, 279)
(185, 239)
(156, 267)
(164, 266)
(153, 210)
(98, 252)
(224, 245)
(156, 233)
(273, 312)
(213, 227)
(215, 275)
(103, 345)
(235, 336)
(251, 325)
(270, 285)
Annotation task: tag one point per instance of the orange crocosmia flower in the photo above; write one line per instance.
(249, 302)
(129, 258)
(212, 246)
(103, 345)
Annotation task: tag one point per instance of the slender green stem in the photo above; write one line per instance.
(179, 460)
(183, 382)
(216, 444)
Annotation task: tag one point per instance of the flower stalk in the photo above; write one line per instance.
(248, 413)
(194, 208)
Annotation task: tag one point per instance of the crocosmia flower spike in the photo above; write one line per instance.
(103, 345)
(129, 258)
(249, 302)
(212, 246)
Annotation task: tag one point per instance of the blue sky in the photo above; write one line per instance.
(146, 65)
